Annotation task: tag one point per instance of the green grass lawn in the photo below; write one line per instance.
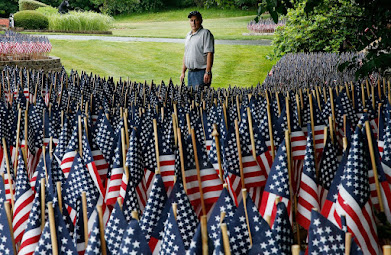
(224, 24)
(234, 64)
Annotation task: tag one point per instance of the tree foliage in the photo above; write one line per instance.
(326, 29)
(7, 7)
(370, 29)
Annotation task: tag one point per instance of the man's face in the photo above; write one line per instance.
(195, 23)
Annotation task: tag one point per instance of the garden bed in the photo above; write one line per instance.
(46, 64)
(71, 32)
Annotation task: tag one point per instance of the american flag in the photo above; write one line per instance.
(328, 166)
(196, 245)
(326, 238)
(2, 192)
(131, 202)
(166, 160)
(277, 185)
(153, 212)
(65, 242)
(282, 228)
(70, 152)
(5, 233)
(224, 204)
(104, 137)
(308, 194)
(172, 237)
(354, 197)
(32, 233)
(94, 246)
(133, 240)
(116, 175)
(115, 230)
(23, 200)
(386, 157)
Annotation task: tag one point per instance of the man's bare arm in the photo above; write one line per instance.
(209, 65)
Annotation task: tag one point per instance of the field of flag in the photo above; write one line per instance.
(300, 163)
(16, 46)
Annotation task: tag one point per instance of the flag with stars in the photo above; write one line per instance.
(282, 229)
(45, 242)
(196, 245)
(79, 180)
(277, 185)
(172, 238)
(327, 169)
(133, 240)
(32, 233)
(2, 192)
(224, 204)
(308, 194)
(5, 233)
(153, 211)
(238, 232)
(131, 202)
(23, 200)
(94, 243)
(354, 197)
(166, 160)
(326, 238)
(65, 243)
(70, 152)
(386, 157)
(104, 136)
(116, 175)
(115, 230)
(186, 217)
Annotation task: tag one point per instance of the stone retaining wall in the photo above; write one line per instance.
(48, 64)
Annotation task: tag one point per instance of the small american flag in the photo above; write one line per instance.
(133, 240)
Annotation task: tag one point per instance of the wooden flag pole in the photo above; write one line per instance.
(332, 104)
(270, 125)
(374, 166)
(244, 194)
(43, 203)
(126, 116)
(325, 134)
(373, 96)
(348, 243)
(135, 215)
(174, 127)
(313, 135)
(239, 154)
(278, 104)
(295, 249)
(85, 216)
(288, 113)
(180, 147)
(193, 138)
(80, 136)
(26, 114)
(156, 145)
(52, 224)
(224, 231)
(331, 126)
(250, 127)
(204, 234)
(238, 108)
(120, 202)
(363, 94)
(215, 134)
(9, 218)
(318, 98)
(10, 184)
(188, 123)
(17, 141)
(126, 169)
(175, 210)
(59, 194)
(387, 250)
(101, 230)
(298, 109)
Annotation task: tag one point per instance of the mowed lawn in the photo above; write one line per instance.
(240, 65)
(224, 24)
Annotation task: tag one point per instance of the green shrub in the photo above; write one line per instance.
(77, 21)
(31, 20)
(328, 29)
(30, 5)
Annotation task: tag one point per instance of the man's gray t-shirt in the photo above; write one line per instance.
(197, 46)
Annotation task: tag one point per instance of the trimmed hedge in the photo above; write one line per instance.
(30, 5)
(31, 20)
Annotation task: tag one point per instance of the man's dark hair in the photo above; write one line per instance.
(195, 13)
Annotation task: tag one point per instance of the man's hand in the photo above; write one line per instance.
(182, 77)
(207, 78)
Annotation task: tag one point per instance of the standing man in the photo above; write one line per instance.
(199, 51)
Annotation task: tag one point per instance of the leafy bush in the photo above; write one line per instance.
(327, 29)
(230, 4)
(114, 7)
(31, 20)
(77, 21)
(7, 7)
(30, 5)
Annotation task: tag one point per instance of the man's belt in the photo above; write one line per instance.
(195, 69)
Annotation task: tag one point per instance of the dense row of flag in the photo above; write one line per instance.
(141, 168)
(14, 46)
(265, 25)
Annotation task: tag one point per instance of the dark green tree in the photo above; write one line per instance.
(371, 29)
(7, 7)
